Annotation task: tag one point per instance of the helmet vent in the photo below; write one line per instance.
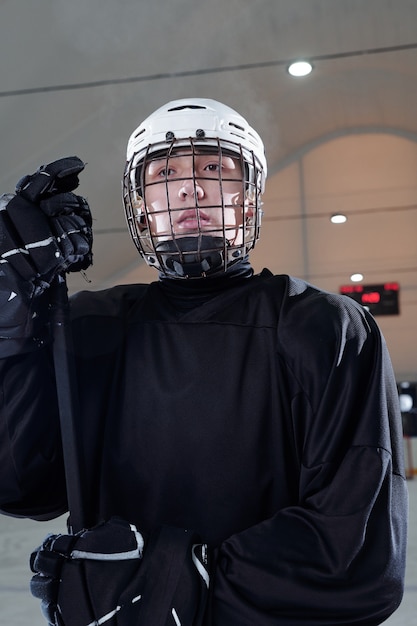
(142, 130)
(237, 126)
(187, 106)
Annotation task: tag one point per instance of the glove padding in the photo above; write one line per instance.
(23, 315)
(101, 575)
(58, 177)
(45, 229)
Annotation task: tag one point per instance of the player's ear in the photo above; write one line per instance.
(139, 208)
(250, 200)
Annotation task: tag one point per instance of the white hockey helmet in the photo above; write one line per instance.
(193, 125)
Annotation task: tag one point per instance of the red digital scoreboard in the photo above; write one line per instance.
(382, 299)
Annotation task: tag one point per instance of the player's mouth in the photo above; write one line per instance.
(192, 219)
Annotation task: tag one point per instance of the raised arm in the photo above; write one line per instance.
(45, 231)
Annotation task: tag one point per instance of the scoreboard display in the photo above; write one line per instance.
(381, 299)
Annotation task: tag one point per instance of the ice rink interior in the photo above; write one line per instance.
(77, 77)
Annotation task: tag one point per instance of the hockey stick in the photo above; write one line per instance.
(68, 403)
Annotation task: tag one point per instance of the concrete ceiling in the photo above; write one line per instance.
(77, 77)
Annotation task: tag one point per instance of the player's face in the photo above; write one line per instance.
(204, 193)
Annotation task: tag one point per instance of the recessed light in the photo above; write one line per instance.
(338, 218)
(300, 68)
(356, 278)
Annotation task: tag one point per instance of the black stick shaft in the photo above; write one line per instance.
(68, 403)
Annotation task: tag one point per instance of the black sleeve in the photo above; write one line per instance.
(337, 556)
(32, 482)
(32, 477)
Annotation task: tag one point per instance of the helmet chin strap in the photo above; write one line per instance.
(191, 257)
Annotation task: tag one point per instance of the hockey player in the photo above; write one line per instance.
(254, 410)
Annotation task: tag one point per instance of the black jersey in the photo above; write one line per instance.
(263, 416)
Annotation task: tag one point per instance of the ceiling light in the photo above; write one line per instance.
(406, 402)
(300, 68)
(338, 218)
(356, 278)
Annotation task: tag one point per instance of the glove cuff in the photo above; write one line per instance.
(24, 324)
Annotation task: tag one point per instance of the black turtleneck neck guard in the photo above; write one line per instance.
(186, 294)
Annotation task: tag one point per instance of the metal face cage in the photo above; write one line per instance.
(223, 226)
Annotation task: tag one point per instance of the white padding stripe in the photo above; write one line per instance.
(105, 618)
(200, 567)
(39, 244)
(13, 252)
(176, 618)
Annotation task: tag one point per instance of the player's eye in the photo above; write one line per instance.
(213, 167)
(165, 172)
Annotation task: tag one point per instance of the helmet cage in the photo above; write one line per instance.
(215, 250)
(194, 127)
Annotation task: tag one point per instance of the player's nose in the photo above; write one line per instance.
(190, 188)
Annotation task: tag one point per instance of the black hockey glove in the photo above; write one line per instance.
(112, 574)
(45, 230)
